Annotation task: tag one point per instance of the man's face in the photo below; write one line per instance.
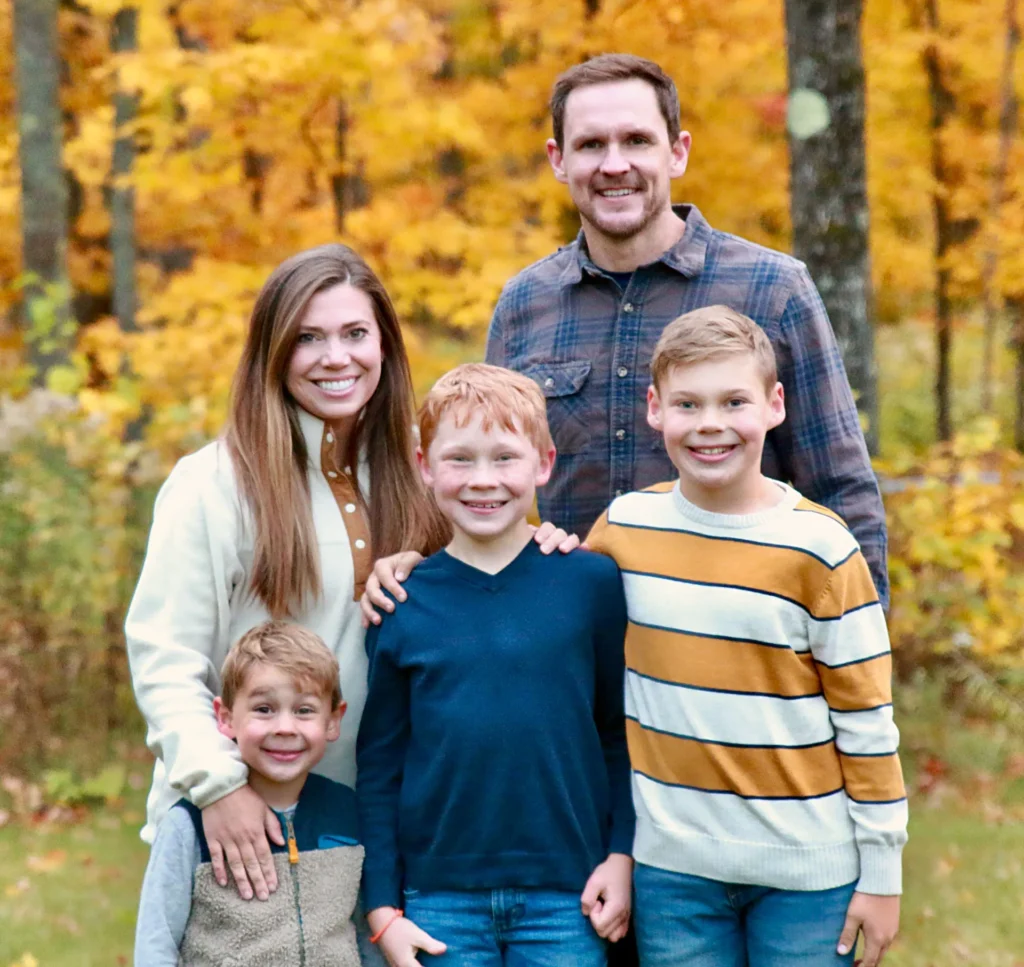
(617, 158)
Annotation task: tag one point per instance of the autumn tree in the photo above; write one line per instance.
(45, 307)
(828, 181)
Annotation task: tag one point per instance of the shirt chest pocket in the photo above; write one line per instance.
(569, 412)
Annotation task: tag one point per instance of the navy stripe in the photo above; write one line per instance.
(739, 795)
(728, 745)
(731, 540)
(732, 587)
(857, 711)
(868, 755)
(721, 691)
(856, 661)
(836, 520)
(698, 634)
(875, 802)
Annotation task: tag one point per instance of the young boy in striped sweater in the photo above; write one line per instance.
(771, 812)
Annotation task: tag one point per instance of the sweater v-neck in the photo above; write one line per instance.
(482, 579)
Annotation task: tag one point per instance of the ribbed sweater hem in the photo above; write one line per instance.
(759, 864)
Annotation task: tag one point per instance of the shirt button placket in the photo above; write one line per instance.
(626, 345)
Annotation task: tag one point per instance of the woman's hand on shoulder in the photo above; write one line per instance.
(237, 828)
(388, 575)
(552, 538)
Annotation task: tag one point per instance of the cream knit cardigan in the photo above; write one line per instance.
(192, 603)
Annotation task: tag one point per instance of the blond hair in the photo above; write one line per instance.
(268, 450)
(501, 396)
(711, 333)
(295, 650)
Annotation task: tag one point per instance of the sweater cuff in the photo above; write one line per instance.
(881, 871)
(211, 790)
(380, 889)
(621, 839)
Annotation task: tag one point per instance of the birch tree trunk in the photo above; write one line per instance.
(828, 187)
(45, 312)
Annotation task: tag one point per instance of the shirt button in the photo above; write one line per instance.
(331, 474)
(618, 493)
(627, 307)
(622, 371)
(330, 437)
(549, 382)
(350, 508)
(348, 470)
(620, 434)
(360, 544)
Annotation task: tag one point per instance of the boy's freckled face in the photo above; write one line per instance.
(484, 481)
(282, 728)
(714, 416)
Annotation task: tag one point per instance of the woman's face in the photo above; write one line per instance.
(336, 363)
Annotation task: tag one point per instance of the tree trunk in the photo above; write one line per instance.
(828, 187)
(1007, 127)
(122, 195)
(44, 196)
(1015, 310)
(942, 107)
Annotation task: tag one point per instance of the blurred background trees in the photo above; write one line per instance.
(158, 157)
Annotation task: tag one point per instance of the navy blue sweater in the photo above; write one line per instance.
(492, 750)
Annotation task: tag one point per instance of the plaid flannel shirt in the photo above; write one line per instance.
(588, 344)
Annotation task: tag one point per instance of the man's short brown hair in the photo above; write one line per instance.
(606, 68)
(711, 333)
(297, 651)
(499, 395)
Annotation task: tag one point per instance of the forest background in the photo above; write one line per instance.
(159, 157)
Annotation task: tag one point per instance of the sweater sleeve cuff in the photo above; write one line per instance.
(380, 889)
(206, 793)
(881, 871)
(621, 839)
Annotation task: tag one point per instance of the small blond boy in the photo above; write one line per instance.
(493, 775)
(281, 703)
(771, 812)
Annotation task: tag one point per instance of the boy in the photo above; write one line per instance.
(771, 812)
(493, 773)
(281, 703)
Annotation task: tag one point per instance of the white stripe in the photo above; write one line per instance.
(724, 717)
(860, 634)
(866, 733)
(706, 610)
(816, 533)
(776, 822)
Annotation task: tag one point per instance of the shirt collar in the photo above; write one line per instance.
(687, 256)
(313, 433)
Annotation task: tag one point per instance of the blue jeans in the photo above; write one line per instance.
(689, 921)
(506, 928)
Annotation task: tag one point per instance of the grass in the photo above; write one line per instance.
(68, 889)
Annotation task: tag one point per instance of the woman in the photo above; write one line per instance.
(280, 518)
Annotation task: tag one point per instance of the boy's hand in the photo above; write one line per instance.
(388, 573)
(236, 829)
(551, 538)
(879, 919)
(607, 896)
(402, 939)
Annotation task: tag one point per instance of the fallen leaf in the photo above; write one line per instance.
(16, 889)
(52, 861)
(944, 866)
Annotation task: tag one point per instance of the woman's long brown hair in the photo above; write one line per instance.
(269, 452)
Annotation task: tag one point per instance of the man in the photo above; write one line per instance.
(584, 321)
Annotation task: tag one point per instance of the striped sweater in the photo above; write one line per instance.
(758, 697)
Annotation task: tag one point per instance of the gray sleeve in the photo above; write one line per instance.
(167, 892)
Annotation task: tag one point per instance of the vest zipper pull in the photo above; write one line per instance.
(293, 847)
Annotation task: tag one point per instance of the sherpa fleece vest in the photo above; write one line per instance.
(307, 922)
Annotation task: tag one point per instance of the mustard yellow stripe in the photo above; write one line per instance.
(873, 778)
(861, 686)
(851, 587)
(752, 772)
(691, 557)
(809, 505)
(736, 666)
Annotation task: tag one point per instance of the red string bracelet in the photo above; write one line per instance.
(380, 933)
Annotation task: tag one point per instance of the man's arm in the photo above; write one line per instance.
(495, 353)
(821, 445)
